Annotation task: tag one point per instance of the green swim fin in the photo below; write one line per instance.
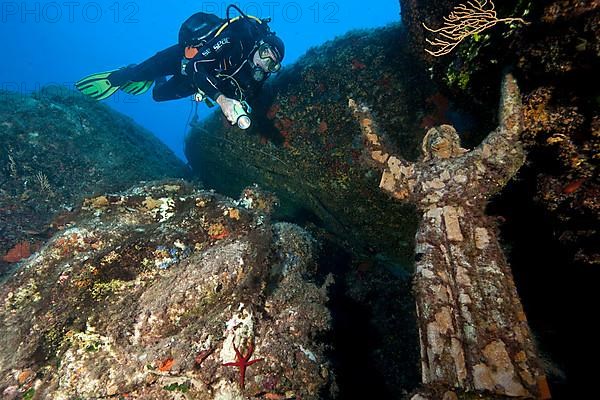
(137, 88)
(97, 86)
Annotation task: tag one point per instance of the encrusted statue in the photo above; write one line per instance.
(473, 331)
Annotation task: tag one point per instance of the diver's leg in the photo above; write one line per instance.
(163, 63)
(175, 88)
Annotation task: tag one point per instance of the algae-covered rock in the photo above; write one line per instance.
(148, 293)
(56, 146)
(306, 147)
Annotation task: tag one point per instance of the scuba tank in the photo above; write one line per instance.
(199, 29)
(195, 32)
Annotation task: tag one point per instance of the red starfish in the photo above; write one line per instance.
(242, 362)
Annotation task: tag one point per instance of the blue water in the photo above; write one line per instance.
(60, 42)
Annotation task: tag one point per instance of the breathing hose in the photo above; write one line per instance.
(229, 7)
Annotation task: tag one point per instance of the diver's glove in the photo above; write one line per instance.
(234, 111)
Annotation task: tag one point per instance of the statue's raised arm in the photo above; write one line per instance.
(398, 178)
(501, 154)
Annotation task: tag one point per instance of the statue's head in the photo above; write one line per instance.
(441, 142)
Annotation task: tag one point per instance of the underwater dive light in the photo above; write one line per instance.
(241, 111)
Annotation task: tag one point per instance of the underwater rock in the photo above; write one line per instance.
(305, 147)
(56, 146)
(155, 292)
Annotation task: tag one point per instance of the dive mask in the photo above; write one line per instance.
(266, 53)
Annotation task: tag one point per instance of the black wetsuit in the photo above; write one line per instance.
(222, 66)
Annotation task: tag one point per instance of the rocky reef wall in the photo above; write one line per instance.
(56, 147)
(165, 291)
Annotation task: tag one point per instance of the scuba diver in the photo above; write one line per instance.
(226, 61)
